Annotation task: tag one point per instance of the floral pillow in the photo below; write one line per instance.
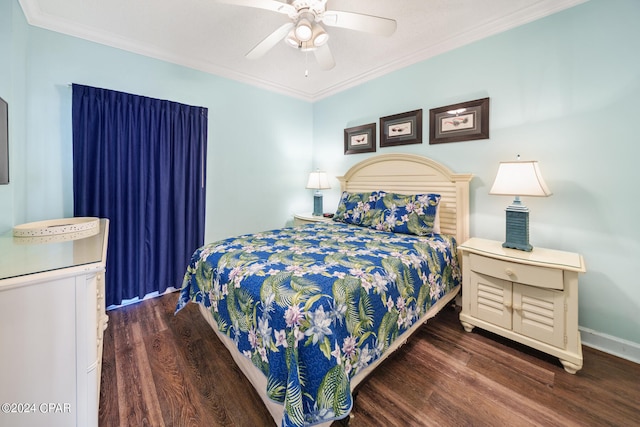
(408, 214)
(357, 208)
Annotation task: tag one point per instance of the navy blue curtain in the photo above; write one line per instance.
(140, 162)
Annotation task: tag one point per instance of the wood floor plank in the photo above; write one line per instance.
(525, 367)
(149, 391)
(395, 403)
(225, 390)
(370, 410)
(148, 318)
(402, 383)
(191, 353)
(481, 397)
(133, 409)
(443, 376)
(108, 409)
(180, 399)
(217, 376)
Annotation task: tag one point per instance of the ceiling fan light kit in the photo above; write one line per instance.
(305, 33)
(318, 38)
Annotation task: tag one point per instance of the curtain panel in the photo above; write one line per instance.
(140, 162)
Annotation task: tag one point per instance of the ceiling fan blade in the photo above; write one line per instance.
(360, 22)
(272, 5)
(270, 41)
(324, 57)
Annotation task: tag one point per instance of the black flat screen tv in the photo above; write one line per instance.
(4, 142)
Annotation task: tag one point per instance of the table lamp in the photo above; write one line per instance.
(318, 181)
(519, 178)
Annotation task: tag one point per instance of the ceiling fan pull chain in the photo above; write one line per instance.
(306, 64)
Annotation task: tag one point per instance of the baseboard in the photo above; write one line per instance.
(610, 344)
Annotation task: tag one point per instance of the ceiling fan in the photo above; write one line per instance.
(305, 33)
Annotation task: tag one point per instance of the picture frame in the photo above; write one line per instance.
(464, 121)
(360, 139)
(401, 129)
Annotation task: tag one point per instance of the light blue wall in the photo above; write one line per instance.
(6, 39)
(259, 146)
(564, 91)
(12, 87)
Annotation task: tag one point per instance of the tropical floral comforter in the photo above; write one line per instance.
(312, 306)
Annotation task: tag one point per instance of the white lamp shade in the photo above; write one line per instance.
(303, 30)
(291, 38)
(520, 178)
(318, 181)
(320, 36)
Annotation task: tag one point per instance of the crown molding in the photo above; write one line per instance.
(37, 18)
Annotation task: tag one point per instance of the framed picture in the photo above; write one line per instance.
(459, 122)
(360, 139)
(401, 129)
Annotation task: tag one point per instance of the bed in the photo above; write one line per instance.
(308, 312)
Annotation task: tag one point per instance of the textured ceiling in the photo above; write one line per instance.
(214, 37)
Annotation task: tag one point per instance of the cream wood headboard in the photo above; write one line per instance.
(413, 174)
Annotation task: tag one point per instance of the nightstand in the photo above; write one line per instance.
(306, 218)
(528, 297)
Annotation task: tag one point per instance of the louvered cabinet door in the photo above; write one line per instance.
(491, 299)
(539, 314)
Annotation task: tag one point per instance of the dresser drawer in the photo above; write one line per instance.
(526, 274)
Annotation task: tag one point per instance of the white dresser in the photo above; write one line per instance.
(52, 321)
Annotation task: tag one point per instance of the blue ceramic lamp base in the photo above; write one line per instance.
(517, 227)
(317, 204)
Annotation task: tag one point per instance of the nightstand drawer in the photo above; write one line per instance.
(526, 274)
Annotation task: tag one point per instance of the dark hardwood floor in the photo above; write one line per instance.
(165, 370)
